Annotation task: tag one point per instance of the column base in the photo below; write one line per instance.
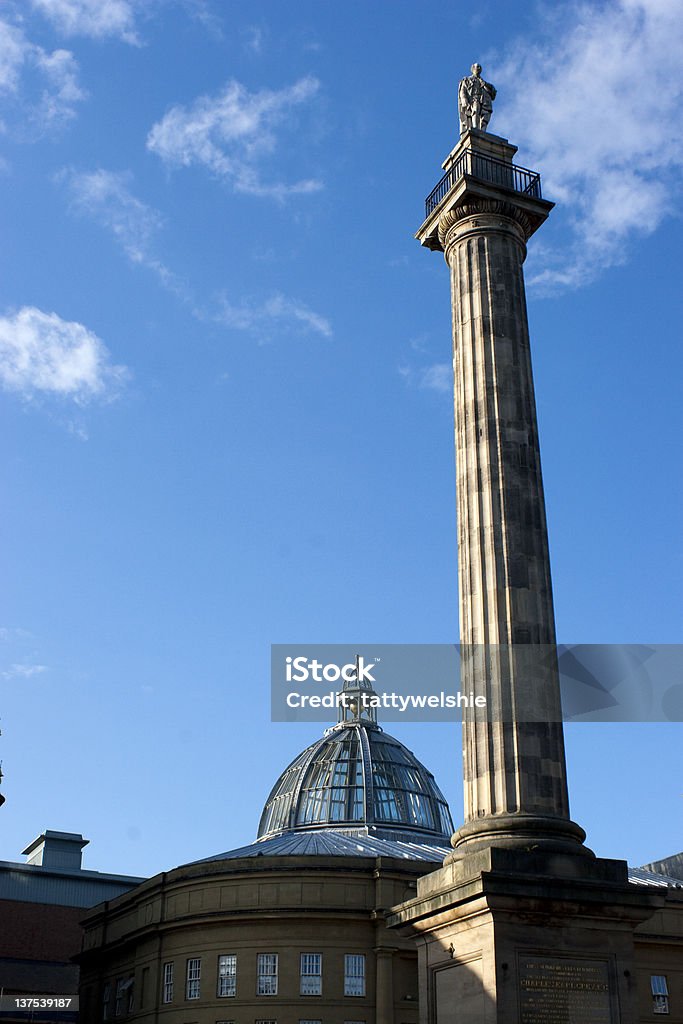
(518, 831)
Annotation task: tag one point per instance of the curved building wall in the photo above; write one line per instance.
(247, 911)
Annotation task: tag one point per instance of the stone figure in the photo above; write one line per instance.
(475, 101)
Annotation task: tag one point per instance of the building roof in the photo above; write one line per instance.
(641, 876)
(338, 843)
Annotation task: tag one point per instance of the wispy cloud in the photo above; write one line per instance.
(41, 354)
(276, 311)
(106, 197)
(13, 53)
(436, 377)
(94, 18)
(22, 671)
(597, 105)
(10, 633)
(231, 134)
(43, 84)
(57, 100)
(253, 40)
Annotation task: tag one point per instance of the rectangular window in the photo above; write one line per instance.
(354, 974)
(130, 985)
(265, 1022)
(660, 993)
(311, 979)
(266, 971)
(310, 1022)
(193, 978)
(106, 999)
(227, 974)
(118, 1001)
(167, 991)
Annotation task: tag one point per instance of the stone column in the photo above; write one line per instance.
(514, 762)
(513, 750)
(515, 928)
(384, 985)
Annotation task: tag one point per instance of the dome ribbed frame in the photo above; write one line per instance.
(357, 778)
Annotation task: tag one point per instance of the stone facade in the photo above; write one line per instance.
(288, 906)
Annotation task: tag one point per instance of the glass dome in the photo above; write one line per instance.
(357, 777)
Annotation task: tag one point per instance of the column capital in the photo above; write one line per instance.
(477, 216)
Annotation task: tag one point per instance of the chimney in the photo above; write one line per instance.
(56, 850)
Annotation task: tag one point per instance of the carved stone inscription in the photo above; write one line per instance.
(559, 990)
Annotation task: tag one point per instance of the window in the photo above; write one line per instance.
(130, 986)
(266, 971)
(311, 983)
(193, 978)
(310, 1022)
(167, 991)
(227, 974)
(660, 993)
(354, 1022)
(225, 1022)
(118, 1002)
(106, 999)
(265, 1022)
(354, 974)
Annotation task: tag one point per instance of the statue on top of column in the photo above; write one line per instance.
(475, 101)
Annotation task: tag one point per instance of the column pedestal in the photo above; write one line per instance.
(512, 937)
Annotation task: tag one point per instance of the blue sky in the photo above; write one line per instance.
(226, 417)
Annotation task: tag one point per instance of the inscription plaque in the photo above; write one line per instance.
(560, 990)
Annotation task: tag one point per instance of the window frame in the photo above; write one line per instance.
(192, 993)
(261, 976)
(106, 1001)
(220, 978)
(660, 994)
(167, 982)
(311, 976)
(359, 959)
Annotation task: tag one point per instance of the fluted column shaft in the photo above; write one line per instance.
(514, 761)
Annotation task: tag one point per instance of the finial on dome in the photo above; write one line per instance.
(355, 697)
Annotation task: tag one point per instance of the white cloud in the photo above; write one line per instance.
(94, 18)
(13, 51)
(597, 106)
(106, 197)
(41, 354)
(26, 68)
(253, 37)
(57, 102)
(278, 310)
(9, 633)
(22, 671)
(436, 377)
(231, 133)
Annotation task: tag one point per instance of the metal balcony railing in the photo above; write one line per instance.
(485, 168)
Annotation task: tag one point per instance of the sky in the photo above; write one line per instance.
(226, 415)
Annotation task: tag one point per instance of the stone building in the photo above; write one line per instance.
(292, 927)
